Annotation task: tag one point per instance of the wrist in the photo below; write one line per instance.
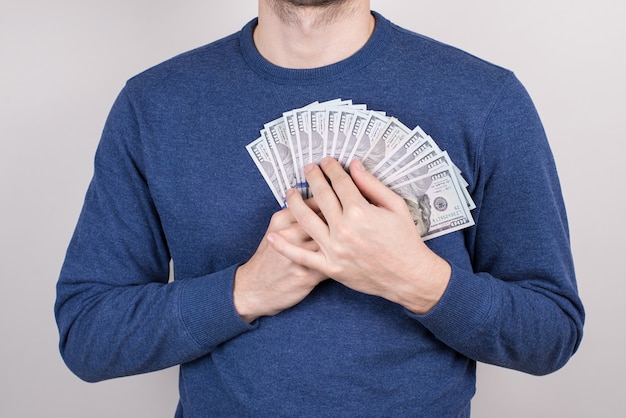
(241, 298)
(433, 282)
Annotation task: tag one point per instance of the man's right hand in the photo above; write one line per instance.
(269, 282)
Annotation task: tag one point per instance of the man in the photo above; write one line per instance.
(334, 306)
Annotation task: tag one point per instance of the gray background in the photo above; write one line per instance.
(63, 63)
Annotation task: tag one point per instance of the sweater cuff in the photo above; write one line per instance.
(463, 309)
(208, 311)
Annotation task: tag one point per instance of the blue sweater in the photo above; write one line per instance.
(173, 181)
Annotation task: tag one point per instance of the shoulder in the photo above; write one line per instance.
(191, 67)
(439, 60)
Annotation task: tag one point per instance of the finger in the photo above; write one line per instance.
(373, 189)
(345, 189)
(323, 193)
(283, 218)
(295, 234)
(313, 205)
(305, 255)
(308, 219)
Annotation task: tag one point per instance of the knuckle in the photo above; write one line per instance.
(343, 233)
(308, 220)
(341, 179)
(356, 213)
(280, 219)
(324, 193)
(277, 217)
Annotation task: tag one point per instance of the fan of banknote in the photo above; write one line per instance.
(407, 160)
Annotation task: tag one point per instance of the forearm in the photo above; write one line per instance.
(514, 325)
(111, 331)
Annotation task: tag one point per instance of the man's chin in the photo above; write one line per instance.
(312, 3)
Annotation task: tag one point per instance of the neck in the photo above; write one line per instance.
(311, 36)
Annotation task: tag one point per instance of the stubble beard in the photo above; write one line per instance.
(327, 11)
(311, 3)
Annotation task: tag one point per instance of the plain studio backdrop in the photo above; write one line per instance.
(64, 62)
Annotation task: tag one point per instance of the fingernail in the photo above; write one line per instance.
(309, 167)
(327, 160)
(357, 165)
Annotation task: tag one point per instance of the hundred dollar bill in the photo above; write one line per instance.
(319, 127)
(333, 102)
(332, 122)
(262, 159)
(436, 203)
(376, 122)
(416, 137)
(298, 130)
(342, 130)
(418, 147)
(357, 126)
(428, 165)
(416, 154)
(292, 138)
(468, 197)
(275, 134)
(394, 133)
(303, 134)
(428, 162)
(322, 118)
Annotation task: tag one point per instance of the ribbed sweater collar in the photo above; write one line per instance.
(370, 51)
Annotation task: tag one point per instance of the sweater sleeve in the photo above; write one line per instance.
(116, 312)
(519, 307)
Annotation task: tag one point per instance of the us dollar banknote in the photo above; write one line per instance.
(408, 161)
(436, 203)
